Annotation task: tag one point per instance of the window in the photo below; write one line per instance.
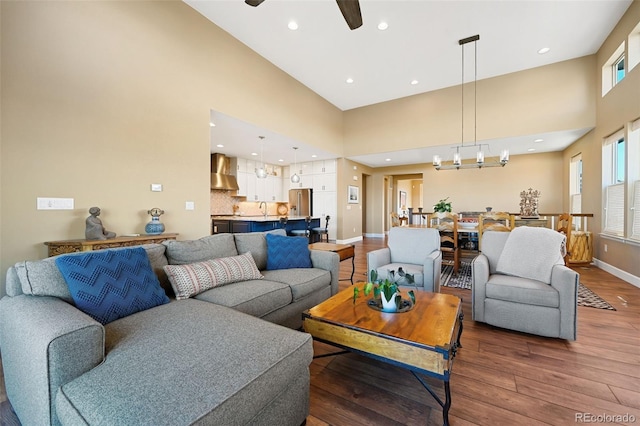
(613, 172)
(575, 186)
(613, 71)
(619, 162)
(621, 183)
(634, 48)
(618, 70)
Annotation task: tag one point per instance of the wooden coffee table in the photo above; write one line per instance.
(423, 340)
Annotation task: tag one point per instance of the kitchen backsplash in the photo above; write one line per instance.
(222, 203)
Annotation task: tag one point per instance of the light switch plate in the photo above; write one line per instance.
(189, 205)
(156, 187)
(47, 203)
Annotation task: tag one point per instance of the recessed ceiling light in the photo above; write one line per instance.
(543, 50)
(313, 156)
(349, 80)
(539, 140)
(293, 25)
(254, 153)
(531, 149)
(383, 26)
(220, 145)
(280, 160)
(387, 159)
(212, 124)
(414, 82)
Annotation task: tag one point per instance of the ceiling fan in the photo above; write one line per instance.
(350, 10)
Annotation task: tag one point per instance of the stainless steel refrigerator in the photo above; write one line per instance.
(301, 202)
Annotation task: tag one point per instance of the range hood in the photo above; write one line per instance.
(220, 177)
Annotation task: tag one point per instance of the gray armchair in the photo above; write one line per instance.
(523, 304)
(416, 250)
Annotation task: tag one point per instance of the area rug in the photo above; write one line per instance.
(461, 280)
(586, 297)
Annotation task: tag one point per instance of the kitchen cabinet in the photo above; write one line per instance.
(324, 166)
(241, 225)
(238, 227)
(324, 182)
(325, 203)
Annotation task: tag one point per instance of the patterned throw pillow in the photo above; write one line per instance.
(111, 284)
(189, 280)
(287, 252)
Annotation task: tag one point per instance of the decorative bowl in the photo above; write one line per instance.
(468, 225)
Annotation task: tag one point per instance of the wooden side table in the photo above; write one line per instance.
(345, 251)
(73, 246)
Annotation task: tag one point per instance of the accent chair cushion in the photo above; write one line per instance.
(192, 279)
(287, 252)
(112, 284)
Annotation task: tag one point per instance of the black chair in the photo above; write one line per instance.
(283, 223)
(306, 232)
(319, 233)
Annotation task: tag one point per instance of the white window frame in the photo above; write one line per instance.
(608, 74)
(615, 70)
(575, 187)
(613, 195)
(633, 178)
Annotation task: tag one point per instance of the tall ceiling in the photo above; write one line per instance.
(420, 43)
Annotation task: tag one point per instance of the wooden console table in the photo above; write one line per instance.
(73, 246)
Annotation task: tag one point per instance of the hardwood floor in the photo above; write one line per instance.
(499, 377)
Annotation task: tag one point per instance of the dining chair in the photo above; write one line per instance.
(447, 224)
(564, 226)
(395, 219)
(494, 221)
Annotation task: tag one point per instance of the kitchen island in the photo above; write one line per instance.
(241, 224)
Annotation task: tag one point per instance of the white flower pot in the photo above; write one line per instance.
(388, 305)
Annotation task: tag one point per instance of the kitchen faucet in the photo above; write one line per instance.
(265, 208)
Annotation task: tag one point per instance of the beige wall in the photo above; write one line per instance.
(475, 189)
(101, 99)
(545, 99)
(614, 111)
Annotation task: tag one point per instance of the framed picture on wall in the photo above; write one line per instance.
(402, 201)
(353, 194)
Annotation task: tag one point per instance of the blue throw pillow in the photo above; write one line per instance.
(287, 252)
(111, 284)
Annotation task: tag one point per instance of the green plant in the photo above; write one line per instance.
(442, 206)
(389, 286)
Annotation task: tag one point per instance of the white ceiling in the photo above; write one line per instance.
(420, 43)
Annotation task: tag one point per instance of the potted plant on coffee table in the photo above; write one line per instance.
(388, 291)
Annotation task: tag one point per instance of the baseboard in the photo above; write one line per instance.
(374, 235)
(350, 240)
(623, 275)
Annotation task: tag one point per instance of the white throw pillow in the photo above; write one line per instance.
(194, 278)
(531, 252)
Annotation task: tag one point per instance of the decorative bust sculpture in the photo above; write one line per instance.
(94, 229)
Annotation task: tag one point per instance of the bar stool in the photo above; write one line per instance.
(283, 223)
(320, 232)
(303, 232)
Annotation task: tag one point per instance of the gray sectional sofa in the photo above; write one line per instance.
(221, 357)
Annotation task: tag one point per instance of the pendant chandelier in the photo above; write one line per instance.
(261, 172)
(480, 157)
(294, 177)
